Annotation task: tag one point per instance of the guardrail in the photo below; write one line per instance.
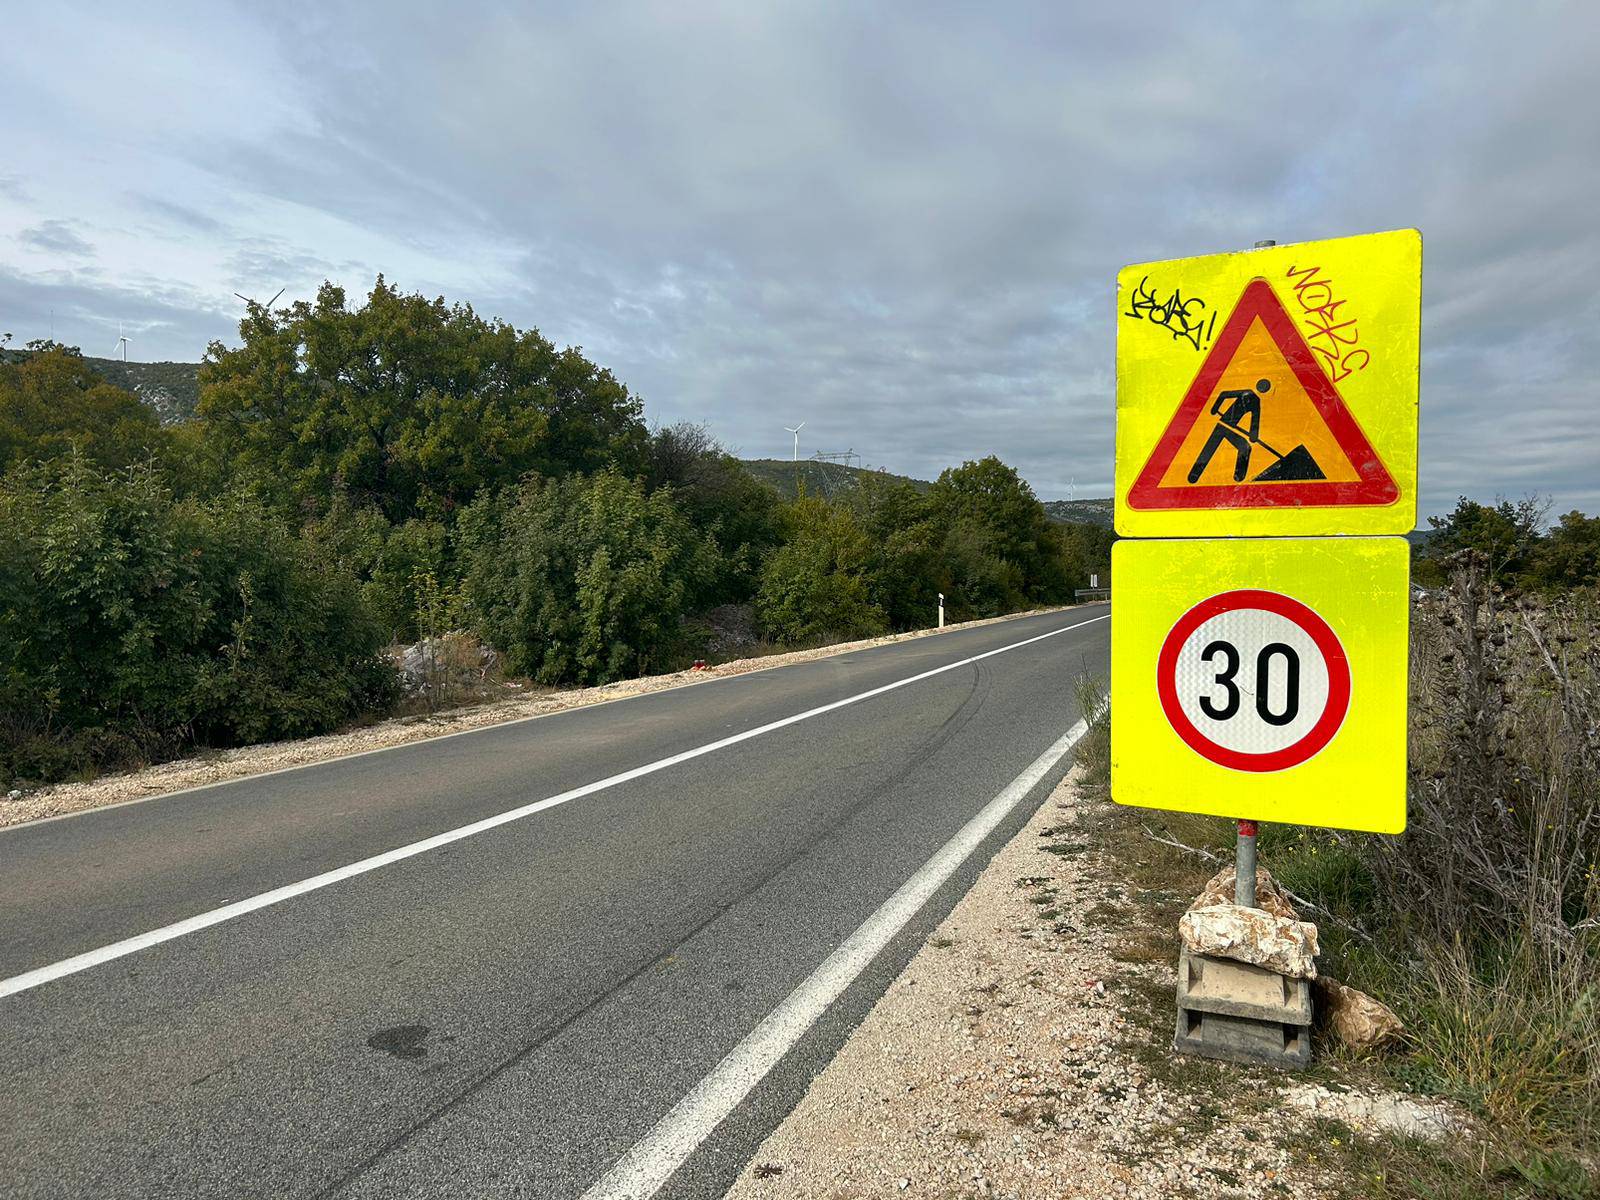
(1079, 595)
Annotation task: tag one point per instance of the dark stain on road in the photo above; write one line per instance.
(402, 1041)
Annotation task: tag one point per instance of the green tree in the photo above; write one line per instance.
(133, 624)
(408, 404)
(584, 579)
(1504, 533)
(52, 404)
(1569, 555)
(814, 587)
(720, 496)
(1000, 547)
(905, 568)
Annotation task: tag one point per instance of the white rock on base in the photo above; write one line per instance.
(1252, 936)
(1270, 895)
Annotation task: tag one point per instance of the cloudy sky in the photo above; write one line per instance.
(899, 223)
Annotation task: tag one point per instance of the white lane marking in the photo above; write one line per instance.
(640, 1172)
(105, 954)
(440, 737)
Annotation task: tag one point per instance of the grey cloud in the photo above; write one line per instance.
(181, 216)
(86, 312)
(55, 237)
(270, 263)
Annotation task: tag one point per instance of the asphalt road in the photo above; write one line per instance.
(509, 1013)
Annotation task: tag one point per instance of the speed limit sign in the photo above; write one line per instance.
(1263, 676)
(1253, 680)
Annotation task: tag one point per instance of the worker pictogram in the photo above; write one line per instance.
(1253, 680)
(1262, 426)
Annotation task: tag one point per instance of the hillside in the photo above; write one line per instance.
(829, 480)
(1081, 512)
(826, 479)
(171, 388)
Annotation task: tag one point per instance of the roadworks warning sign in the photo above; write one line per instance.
(1271, 391)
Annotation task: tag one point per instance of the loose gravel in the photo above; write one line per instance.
(1021, 1054)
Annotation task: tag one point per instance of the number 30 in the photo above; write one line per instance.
(1229, 708)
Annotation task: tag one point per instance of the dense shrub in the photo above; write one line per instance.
(716, 493)
(584, 579)
(814, 586)
(406, 570)
(132, 624)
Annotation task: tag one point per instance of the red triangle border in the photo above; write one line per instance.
(1374, 487)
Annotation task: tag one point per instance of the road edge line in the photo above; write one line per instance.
(651, 1161)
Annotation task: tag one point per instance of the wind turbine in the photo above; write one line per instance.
(268, 304)
(796, 431)
(122, 342)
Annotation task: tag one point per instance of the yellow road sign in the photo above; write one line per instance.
(1262, 678)
(1270, 392)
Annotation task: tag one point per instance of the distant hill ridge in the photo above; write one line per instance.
(829, 480)
(171, 389)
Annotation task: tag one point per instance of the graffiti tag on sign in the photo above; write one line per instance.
(1334, 336)
(1185, 318)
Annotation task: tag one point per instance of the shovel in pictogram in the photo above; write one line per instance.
(1240, 427)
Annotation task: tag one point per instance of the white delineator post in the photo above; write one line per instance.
(941, 610)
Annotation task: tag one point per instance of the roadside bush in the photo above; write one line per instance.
(717, 494)
(1480, 925)
(404, 569)
(584, 579)
(814, 587)
(133, 625)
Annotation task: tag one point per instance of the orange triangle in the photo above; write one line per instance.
(1234, 443)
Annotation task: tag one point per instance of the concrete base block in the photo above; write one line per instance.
(1242, 1013)
(1237, 989)
(1242, 1039)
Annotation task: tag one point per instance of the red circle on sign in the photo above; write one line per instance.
(1320, 633)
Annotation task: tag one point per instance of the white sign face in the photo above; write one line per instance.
(1253, 680)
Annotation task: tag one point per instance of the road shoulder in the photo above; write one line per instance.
(1024, 1053)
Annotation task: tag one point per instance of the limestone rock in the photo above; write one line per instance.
(1270, 896)
(1355, 1018)
(1251, 935)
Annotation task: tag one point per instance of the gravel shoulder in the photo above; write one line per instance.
(1024, 1052)
(521, 703)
